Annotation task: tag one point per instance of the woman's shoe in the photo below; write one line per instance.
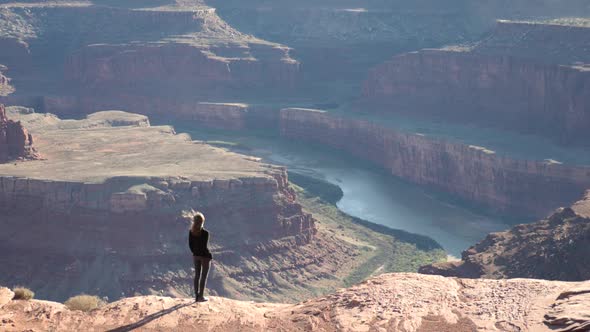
(202, 299)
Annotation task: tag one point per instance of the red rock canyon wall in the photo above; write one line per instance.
(549, 100)
(124, 235)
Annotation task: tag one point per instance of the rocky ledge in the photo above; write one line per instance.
(554, 248)
(390, 302)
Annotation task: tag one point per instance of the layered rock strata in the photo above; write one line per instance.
(390, 302)
(478, 175)
(160, 66)
(101, 211)
(532, 78)
(168, 47)
(555, 248)
(15, 140)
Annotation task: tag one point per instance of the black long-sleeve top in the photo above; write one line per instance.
(198, 243)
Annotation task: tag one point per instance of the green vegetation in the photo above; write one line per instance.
(84, 302)
(22, 293)
(326, 191)
(380, 249)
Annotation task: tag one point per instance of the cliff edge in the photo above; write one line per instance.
(391, 302)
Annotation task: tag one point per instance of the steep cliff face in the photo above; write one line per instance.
(338, 41)
(15, 140)
(101, 212)
(163, 67)
(554, 248)
(523, 77)
(520, 187)
(125, 237)
(175, 47)
(390, 302)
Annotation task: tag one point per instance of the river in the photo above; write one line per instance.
(368, 192)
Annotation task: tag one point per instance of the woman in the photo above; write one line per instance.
(198, 238)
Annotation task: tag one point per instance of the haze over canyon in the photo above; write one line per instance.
(362, 165)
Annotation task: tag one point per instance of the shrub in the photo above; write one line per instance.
(22, 293)
(84, 302)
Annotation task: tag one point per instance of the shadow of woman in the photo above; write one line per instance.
(149, 318)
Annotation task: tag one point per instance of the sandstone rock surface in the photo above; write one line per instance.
(570, 311)
(391, 302)
(555, 248)
(6, 296)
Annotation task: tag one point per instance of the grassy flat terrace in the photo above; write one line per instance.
(112, 144)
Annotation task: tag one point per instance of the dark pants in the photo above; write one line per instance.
(201, 271)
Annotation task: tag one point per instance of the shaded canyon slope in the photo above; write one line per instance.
(146, 48)
(533, 77)
(390, 302)
(555, 248)
(181, 52)
(337, 41)
(514, 186)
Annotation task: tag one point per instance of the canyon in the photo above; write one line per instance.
(112, 175)
(390, 302)
(474, 173)
(482, 105)
(103, 210)
(156, 49)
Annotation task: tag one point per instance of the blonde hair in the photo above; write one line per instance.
(198, 221)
